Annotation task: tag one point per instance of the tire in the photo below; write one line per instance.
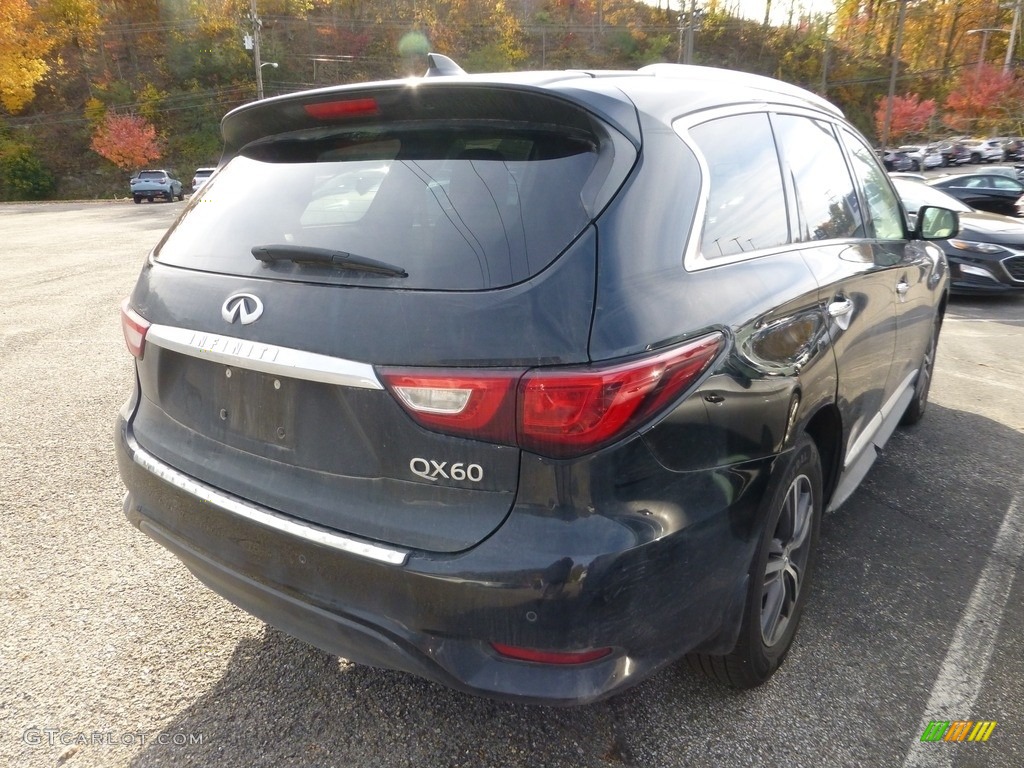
(137, 199)
(916, 166)
(150, 199)
(779, 576)
(916, 407)
(181, 195)
(169, 196)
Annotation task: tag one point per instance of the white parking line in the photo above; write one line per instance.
(966, 664)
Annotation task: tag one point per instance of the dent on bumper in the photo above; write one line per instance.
(436, 615)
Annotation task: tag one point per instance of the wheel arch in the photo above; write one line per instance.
(825, 428)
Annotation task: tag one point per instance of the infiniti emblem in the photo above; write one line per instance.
(244, 307)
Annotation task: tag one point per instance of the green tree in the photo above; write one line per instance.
(22, 174)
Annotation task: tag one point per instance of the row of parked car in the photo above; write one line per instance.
(152, 184)
(955, 152)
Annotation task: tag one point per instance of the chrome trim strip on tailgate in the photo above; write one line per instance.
(261, 515)
(267, 358)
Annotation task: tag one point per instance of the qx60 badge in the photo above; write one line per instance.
(243, 307)
(442, 470)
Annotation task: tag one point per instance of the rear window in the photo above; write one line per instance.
(152, 175)
(458, 205)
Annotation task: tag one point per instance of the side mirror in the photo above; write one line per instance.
(935, 223)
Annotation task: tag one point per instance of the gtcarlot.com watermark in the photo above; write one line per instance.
(52, 737)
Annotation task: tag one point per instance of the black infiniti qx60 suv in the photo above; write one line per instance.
(532, 383)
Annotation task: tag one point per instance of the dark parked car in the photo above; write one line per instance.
(1014, 149)
(993, 192)
(954, 153)
(149, 185)
(987, 255)
(529, 383)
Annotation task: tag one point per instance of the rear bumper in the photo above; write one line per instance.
(541, 581)
(151, 191)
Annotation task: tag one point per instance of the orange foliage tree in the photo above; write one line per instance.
(910, 116)
(983, 100)
(23, 46)
(128, 141)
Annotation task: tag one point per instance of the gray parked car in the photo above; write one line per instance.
(150, 185)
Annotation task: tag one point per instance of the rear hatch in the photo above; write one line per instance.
(356, 244)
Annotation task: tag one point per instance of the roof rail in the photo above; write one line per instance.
(439, 65)
(727, 76)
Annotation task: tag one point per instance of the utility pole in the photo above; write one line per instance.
(682, 15)
(984, 45)
(1013, 38)
(892, 75)
(689, 31)
(824, 59)
(256, 24)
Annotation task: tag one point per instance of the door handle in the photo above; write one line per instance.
(902, 287)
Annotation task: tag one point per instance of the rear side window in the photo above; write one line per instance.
(826, 198)
(746, 208)
(464, 204)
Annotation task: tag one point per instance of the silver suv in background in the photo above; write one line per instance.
(923, 157)
(985, 150)
(153, 184)
(201, 176)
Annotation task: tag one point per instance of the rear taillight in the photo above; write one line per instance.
(557, 412)
(480, 405)
(571, 412)
(134, 327)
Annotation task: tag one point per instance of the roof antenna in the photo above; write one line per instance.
(438, 65)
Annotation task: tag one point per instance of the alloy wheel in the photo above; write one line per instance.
(788, 553)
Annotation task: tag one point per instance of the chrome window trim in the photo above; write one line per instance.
(266, 358)
(261, 515)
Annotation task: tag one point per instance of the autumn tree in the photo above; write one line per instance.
(23, 47)
(128, 141)
(910, 116)
(984, 100)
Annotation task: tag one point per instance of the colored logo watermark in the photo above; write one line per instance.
(958, 730)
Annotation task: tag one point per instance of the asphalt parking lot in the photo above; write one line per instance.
(112, 654)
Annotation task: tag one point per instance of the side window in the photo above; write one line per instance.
(746, 208)
(886, 220)
(1002, 182)
(825, 195)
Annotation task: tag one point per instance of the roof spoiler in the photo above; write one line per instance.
(439, 65)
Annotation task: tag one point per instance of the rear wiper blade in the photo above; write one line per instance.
(311, 255)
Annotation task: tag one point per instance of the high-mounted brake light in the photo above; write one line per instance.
(556, 412)
(134, 326)
(338, 110)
